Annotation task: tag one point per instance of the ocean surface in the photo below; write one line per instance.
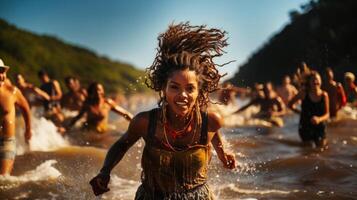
(271, 162)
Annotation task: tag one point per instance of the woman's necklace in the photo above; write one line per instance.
(178, 134)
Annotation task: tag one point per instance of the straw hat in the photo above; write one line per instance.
(2, 65)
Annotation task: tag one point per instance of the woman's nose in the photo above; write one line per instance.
(183, 93)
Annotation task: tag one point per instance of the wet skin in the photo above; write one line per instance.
(9, 97)
(181, 92)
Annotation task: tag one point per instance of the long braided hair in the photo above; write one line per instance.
(183, 47)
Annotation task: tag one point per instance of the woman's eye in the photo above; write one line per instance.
(191, 89)
(173, 87)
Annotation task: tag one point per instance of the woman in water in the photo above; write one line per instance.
(314, 111)
(97, 107)
(179, 133)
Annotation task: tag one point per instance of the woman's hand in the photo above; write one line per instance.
(230, 161)
(100, 184)
(315, 120)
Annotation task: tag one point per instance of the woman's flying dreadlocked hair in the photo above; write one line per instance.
(184, 46)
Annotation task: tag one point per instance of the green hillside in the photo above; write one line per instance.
(323, 33)
(27, 53)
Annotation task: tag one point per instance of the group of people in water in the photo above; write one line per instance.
(91, 103)
(180, 133)
(319, 101)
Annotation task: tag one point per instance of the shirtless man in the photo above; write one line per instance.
(271, 106)
(286, 91)
(335, 92)
(32, 93)
(74, 98)
(9, 97)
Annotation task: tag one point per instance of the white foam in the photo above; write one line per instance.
(241, 119)
(44, 137)
(122, 188)
(234, 188)
(43, 172)
(347, 112)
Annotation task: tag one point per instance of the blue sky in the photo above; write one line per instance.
(127, 30)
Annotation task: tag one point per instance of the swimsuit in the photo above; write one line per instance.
(8, 148)
(307, 130)
(174, 175)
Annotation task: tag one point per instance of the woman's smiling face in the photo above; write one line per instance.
(181, 91)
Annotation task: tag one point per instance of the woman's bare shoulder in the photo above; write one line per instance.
(215, 121)
(140, 122)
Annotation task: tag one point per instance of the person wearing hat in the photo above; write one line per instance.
(10, 97)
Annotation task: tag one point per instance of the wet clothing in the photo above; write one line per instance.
(8, 148)
(199, 192)
(307, 130)
(174, 174)
(49, 88)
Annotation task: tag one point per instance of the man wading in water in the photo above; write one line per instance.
(9, 97)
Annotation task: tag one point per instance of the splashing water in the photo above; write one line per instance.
(43, 172)
(44, 137)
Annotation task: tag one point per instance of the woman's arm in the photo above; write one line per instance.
(117, 151)
(215, 123)
(295, 99)
(326, 115)
(119, 110)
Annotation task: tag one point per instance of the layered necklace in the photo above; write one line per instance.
(176, 134)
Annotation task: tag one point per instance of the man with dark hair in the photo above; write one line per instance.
(52, 106)
(74, 98)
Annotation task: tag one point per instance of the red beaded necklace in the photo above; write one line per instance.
(179, 133)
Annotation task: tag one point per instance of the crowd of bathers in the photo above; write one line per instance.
(89, 103)
(319, 100)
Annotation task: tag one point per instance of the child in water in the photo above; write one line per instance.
(179, 133)
(314, 111)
